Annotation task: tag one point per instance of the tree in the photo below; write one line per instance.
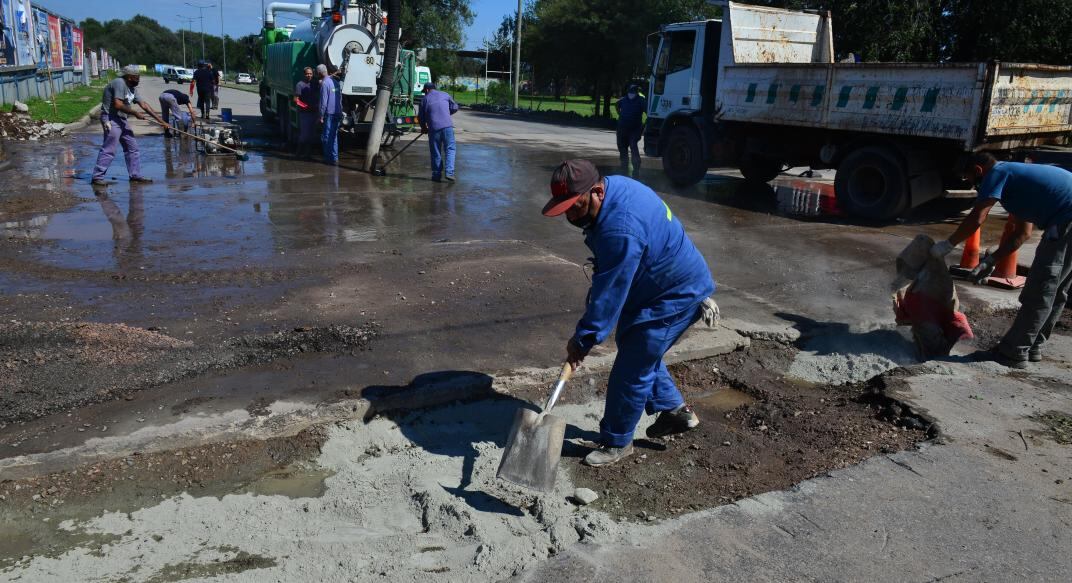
(598, 45)
(435, 23)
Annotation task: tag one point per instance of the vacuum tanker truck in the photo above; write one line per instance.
(347, 36)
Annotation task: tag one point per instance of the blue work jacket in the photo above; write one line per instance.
(646, 267)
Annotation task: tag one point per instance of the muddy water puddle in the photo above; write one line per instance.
(295, 481)
(725, 399)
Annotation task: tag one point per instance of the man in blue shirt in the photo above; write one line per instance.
(436, 109)
(1034, 194)
(205, 82)
(650, 281)
(330, 115)
(631, 110)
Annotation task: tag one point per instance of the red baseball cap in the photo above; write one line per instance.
(569, 181)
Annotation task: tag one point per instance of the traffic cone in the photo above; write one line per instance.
(1005, 270)
(970, 258)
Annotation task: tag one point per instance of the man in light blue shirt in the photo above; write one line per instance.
(436, 109)
(1033, 194)
(330, 115)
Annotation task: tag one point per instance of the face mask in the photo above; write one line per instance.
(582, 222)
(631, 94)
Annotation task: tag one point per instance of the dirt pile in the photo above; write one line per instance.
(17, 126)
(760, 431)
(49, 367)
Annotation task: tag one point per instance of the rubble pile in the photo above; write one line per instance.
(18, 125)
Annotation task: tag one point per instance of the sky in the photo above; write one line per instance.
(242, 17)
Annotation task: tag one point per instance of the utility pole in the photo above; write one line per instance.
(188, 20)
(517, 62)
(223, 41)
(201, 16)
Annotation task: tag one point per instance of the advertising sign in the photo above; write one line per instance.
(76, 41)
(40, 34)
(7, 35)
(55, 42)
(67, 43)
(24, 39)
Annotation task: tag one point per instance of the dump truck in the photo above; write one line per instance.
(759, 90)
(345, 35)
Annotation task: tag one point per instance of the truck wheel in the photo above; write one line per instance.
(683, 159)
(872, 183)
(760, 168)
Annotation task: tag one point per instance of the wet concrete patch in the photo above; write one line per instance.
(43, 514)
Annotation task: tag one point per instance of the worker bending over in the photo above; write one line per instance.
(651, 281)
(170, 110)
(1033, 193)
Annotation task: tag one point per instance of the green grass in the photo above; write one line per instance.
(71, 105)
(581, 104)
(254, 88)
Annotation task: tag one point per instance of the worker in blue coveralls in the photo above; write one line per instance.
(1035, 194)
(330, 114)
(651, 281)
(631, 110)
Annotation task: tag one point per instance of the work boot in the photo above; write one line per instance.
(995, 355)
(679, 420)
(99, 183)
(141, 179)
(449, 177)
(1035, 354)
(606, 455)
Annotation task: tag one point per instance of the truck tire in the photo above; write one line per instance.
(872, 183)
(683, 158)
(757, 168)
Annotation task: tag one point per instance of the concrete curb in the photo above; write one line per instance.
(288, 418)
(85, 120)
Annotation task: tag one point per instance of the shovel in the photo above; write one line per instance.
(535, 443)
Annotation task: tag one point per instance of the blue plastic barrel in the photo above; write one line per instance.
(225, 114)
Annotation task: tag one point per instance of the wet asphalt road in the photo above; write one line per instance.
(465, 276)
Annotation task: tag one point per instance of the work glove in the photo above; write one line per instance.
(711, 313)
(942, 248)
(106, 125)
(984, 270)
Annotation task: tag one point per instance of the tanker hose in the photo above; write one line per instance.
(384, 83)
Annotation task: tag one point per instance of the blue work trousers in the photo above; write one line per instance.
(329, 138)
(639, 381)
(441, 145)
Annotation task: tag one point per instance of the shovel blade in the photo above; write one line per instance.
(533, 450)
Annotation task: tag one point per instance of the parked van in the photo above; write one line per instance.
(178, 75)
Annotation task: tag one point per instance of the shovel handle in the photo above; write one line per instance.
(567, 372)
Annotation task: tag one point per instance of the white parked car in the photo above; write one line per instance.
(244, 78)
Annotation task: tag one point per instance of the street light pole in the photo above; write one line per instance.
(223, 41)
(201, 15)
(517, 66)
(188, 20)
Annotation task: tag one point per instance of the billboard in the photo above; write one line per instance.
(76, 44)
(7, 38)
(40, 34)
(67, 43)
(24, 44)
(55, 42)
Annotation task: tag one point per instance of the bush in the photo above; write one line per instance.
(500, 94)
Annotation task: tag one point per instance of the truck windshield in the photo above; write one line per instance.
(675, 55)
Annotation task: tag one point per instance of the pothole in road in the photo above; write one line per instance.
(415, 493)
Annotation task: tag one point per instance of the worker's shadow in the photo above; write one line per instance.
(473, 414)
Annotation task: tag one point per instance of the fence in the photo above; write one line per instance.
(28, 83)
